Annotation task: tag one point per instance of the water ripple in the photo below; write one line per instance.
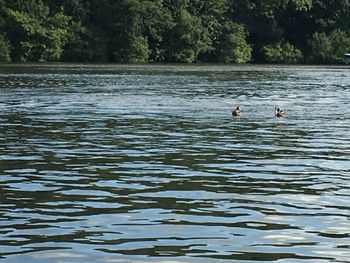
(136, 163)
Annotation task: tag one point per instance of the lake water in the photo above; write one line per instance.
(145, 163)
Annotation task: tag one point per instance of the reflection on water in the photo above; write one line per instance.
(146, 164)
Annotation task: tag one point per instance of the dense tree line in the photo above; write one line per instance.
(129, 31)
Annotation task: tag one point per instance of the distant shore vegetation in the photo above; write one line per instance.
(176, 31)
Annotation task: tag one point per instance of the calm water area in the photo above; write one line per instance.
(145, 163)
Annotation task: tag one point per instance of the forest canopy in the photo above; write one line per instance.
(180, 31)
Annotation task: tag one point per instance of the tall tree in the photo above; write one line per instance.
(232, 31)
(34, 33)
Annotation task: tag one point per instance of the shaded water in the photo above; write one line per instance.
(141, 163)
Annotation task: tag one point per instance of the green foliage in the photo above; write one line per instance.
(282, 52)
(37, 36)
(156, 20)
(137, 50)
(128, 43)
(329, 48)
(232, 46)
(302, 5)
(331, 15)
(4, 50)
(321, 48)
(134, 31)
(188, 39)
(84, 45)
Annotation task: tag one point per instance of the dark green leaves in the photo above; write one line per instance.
(38, 35)
(185, 31)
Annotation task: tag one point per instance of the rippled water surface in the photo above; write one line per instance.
(137, 163)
